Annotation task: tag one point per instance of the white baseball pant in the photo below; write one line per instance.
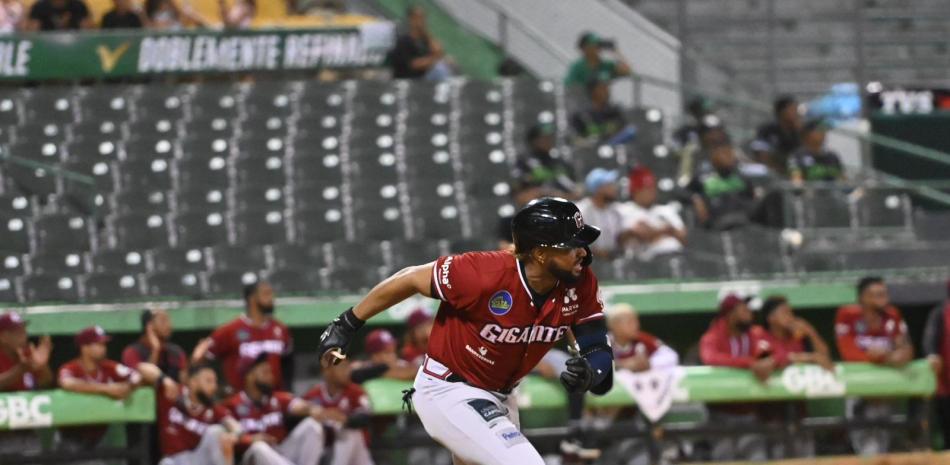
(349, 448)
(479, 427)
(303, 446)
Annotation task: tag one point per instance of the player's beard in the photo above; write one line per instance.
(266, 389)
(205, 399)
(566, 276)
(267, 309)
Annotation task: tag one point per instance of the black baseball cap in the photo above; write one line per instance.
(551, 222)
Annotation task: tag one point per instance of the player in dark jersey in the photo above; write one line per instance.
(500, 313)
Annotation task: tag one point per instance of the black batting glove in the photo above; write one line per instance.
(338, 336)
(579, 375)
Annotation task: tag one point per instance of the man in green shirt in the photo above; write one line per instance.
(591, 66)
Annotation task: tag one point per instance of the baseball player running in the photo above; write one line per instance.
(500, 313)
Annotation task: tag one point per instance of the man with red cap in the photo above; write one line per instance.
(418, 326)
(92, 373)
(337, 392)
(733, 341)
(24, 366)
(655, 229)
(383, 360)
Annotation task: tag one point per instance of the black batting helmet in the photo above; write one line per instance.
(551, 222)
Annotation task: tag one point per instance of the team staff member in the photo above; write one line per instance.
(418, 327)
(23, 367)
(500, 313)
(792, 339)
(242, 340)
(261, 410)
(383, 361)
(872, 331)
(191, 431)
(154, 346)
(351, 412)
(92, 373)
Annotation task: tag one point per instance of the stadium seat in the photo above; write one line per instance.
(145, 174)
(203, 172)
(318, 225)
(168, 284)
(8, 286)
(263, 125)
(201, 229)
(229, 283)
(96, 106)
(823, 208)
(52, 106)
(178, 260)
(314, 170)
(119, 261)
(50, 288)
(30, 180)
(213, 127)
(15, 234)
(37, 132)
(111, 287)
(295, 281)
(100, 171)
(11, 264)
(159, 105)
(200, 198)
(49, 152)
(205, 146)
(153, 128)
(379, 220)
(440, 219)
(354, 279)
(259, 197)
(414, 252)
(11, 107)
(265, 226)
(62, 232)
(13, 205)
(297, 256)
(137, 231)
(244, 257)
(320, 195)
(347, 255)
(884, 208)
(151, 147)
(144, 201)
(73, 262)
(260, 170)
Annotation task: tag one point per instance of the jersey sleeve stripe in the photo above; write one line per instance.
(435, 279)
(595, 316)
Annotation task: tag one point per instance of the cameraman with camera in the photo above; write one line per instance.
(591, 66)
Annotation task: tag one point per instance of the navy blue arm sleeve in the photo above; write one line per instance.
(595, 347)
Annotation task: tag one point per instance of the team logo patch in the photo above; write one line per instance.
(487, 409)
(500, 303)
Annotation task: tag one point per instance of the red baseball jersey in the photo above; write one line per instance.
(240, 341)
(644, 344)
(412, 354)
(107, 372)
(782, 348)
(488, 330)
(26, 381)
(718, 347)
(351, 400)
(181, 423)
(855, 337)
(266, 417)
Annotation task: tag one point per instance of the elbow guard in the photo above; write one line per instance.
(595, 347)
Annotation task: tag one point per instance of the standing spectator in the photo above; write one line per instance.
(243, 339)
(168, 15)
(542, 172)
(124, 15)
(655, 229)
(591, 65)
(418, 327)
(24, 366)
(793, 339)
(733, 341)
(722, 197)
(154, 346)
(59, 15)
(776, 140)
(812, 161)
(872, 331)
(191, 430)
(240, 15)
(635, 349)
(93, 373)
(383, 360)
(261, 410)
(11, 16)
(600, 207)
(417, 54)
(601, 121)
(351, 410)
(936, 345)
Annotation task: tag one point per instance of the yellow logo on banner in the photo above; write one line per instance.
(109, 58)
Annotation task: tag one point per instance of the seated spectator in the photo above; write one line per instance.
(733, 341)
(793, 339)
(383, 360)
(812, 161)
(602, 121)
(24, 366)
(416, 342)
(417, 54)
(240, 15)
(600, 207)
(59, 15)
(722, 197)
(634, 349)
(124, 15)
(92, 373)
(191, 431)
(261, 411)
(154, 346)
(591, 65)
(654, 229)
(936, 345)
(541, 172)
(348, 410)
(11, 16)
(872, 331)
(775, 141)
(701, 115)
(168, 15)
(578, 446)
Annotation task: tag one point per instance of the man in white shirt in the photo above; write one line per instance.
(655, 229)
(601, 208)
